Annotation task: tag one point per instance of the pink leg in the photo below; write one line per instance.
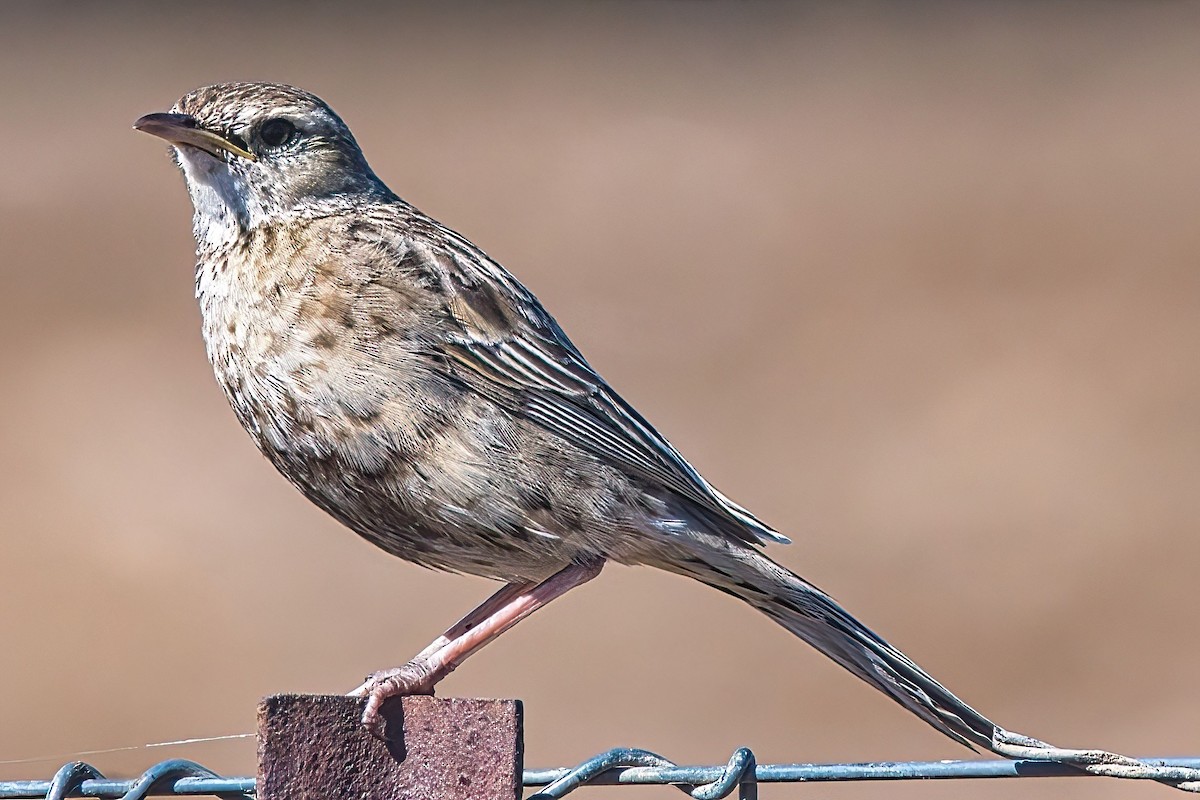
(497, 614)
(471, 620)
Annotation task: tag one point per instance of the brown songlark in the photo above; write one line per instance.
(415, 390)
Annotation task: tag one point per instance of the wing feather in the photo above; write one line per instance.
(508, 339)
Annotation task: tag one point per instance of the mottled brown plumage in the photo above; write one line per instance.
(412, 388)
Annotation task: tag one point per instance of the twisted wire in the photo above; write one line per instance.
(628, 766)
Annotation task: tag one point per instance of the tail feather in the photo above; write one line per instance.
(817, 618)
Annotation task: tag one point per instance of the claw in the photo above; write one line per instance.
(414, 678)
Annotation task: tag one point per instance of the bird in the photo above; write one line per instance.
(410, 386)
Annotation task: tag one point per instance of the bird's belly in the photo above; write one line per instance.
(403, 458)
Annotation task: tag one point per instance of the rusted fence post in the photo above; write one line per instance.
(313, 747)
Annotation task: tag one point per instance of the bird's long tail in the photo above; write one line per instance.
(817, 619)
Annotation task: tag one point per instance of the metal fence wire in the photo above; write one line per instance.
(621, 766)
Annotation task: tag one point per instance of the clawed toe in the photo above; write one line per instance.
(414, 678)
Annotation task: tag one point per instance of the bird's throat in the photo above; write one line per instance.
(222, 215)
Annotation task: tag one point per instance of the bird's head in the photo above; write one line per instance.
(255, 152)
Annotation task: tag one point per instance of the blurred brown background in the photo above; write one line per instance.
(916, 283)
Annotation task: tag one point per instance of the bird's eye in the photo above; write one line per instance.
(276, 132)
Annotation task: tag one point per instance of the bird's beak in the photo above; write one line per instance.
(183, 129)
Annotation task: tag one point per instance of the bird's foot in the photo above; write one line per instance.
(415, 677)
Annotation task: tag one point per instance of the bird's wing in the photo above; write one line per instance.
(505, 336)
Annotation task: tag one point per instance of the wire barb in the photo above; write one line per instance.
(1096, 762)
(176, 776)
(69, 778)
(739, 772)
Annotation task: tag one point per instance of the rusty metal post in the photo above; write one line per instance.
(313, 747)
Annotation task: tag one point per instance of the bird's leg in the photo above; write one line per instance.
(472, 620)
(476, 616)
(493, 617)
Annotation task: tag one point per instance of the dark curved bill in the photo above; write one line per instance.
(183, 129)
